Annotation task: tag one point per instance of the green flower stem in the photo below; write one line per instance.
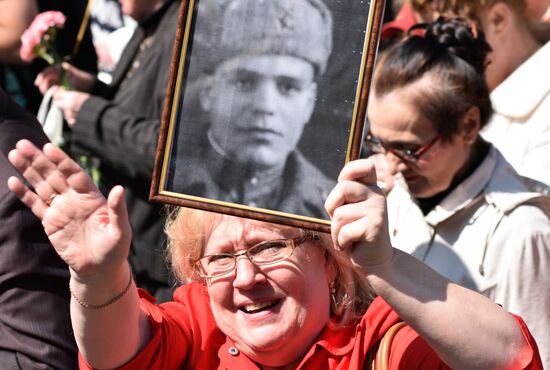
(91, 168)
(47, 57)
(46, 50)
(62, 73)
(64, 78)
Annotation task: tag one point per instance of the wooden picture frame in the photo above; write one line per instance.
(265, 104)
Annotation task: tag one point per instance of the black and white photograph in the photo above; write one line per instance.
(267, 105)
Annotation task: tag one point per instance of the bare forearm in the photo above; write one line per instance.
(466, 329)
(110, 336)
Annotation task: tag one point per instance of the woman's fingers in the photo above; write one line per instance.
(345, 215)
(49, 171)
(27, 197)
(352, 184)
(118, 214)
(357, 208)
(346, 203)
(345, 192)
(361, 221)
(361, 228)
(47, 78)
(71, 172)
(39, 171)
(361, 170)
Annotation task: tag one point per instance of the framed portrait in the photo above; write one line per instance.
(266, 103)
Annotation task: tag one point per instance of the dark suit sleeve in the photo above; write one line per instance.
(122, 140)
(122, 130)
(34, 295)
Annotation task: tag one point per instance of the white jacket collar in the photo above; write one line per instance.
(494, 179)
(518, 95)
(465, 192)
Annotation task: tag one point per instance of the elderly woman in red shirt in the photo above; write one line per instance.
(262, 295)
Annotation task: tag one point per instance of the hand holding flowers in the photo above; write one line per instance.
(78, 79)
(38, 41)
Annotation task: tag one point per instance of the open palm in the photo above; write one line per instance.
(91, 234)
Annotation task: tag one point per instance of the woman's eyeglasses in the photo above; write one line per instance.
(375, 145)
(265, 253)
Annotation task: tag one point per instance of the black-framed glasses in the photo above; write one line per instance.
(265, 253)
(375, 145)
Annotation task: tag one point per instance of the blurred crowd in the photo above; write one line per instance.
(461, 148)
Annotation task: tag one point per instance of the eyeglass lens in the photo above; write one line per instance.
(377, 146)
(267, 252)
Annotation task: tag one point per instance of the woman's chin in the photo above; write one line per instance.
(269, 348)
(265, 338)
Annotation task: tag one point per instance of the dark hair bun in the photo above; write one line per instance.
(462, 39)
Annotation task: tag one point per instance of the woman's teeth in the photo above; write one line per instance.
(255, 307)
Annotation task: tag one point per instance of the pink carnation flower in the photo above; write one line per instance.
(38, 39)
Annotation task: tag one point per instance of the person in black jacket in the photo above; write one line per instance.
(118, 124)
(35, 327)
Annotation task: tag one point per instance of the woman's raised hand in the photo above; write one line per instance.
(357, 207)
(91, 234)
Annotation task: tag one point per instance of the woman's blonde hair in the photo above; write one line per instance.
(188, 231)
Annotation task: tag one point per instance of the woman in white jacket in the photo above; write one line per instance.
(518, 80)
(456, 204)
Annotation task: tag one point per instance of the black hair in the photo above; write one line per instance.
(454, 53)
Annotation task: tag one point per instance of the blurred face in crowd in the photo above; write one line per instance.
(258, 107)
(503, 23)
(140, 9)
(493, 26)
(505, 26)
(396, 122)
(272, 312)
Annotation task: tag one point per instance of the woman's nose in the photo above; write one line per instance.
(395, 164)
(247, 274)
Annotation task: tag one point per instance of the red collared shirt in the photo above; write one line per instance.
(185, 336)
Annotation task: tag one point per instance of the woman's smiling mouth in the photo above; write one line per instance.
(260, 306)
